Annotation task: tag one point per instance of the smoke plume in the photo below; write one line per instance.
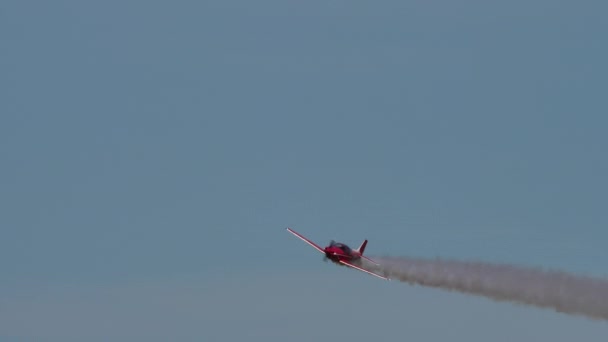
(560, 291)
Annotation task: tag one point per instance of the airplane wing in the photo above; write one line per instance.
(314, 245)
(362, 269)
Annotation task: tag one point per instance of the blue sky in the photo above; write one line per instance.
(153, 153)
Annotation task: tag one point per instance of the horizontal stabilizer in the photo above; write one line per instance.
(370, 260)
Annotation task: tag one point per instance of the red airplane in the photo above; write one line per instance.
(341, 254)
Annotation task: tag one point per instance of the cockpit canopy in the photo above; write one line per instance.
(342, 246)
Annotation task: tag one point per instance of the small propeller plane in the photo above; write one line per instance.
(341, 254)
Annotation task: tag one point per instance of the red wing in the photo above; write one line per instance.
(306, 240)
(362, 269)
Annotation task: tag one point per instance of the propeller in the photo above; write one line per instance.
(325, 258)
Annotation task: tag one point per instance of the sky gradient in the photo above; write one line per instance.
(153, 153)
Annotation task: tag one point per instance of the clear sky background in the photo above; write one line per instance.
(153, 152)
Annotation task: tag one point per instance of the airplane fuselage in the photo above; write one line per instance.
(337, 252)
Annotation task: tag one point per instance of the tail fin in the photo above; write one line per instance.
(361, 248)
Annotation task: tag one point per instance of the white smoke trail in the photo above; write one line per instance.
(560, 291)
